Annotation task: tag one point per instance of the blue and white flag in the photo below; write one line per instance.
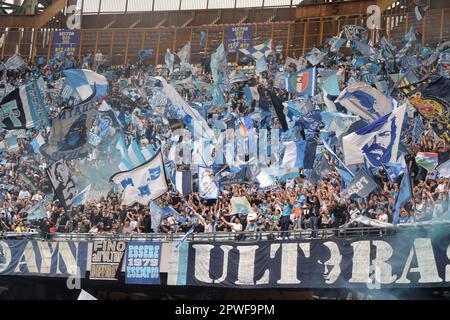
(377, 142)
(37, 142)
(85, 82)
(405, 194)
(419, 12)
(259, 51)
(69, 134)
(169, 59)
(23, 108)
(315, 56)
(365, 101)
(135, 154)
(12, 143)
(261, 65)
(265, 177)
(370, 52)
(156, 216)
(183, 182)
(444, 169)
(82, 197)
(184, 54)
(37, 212)
(336, 44)
(311, 121)
(299, 154)
(145, 53)
(186, 236)
(336, 122)
(144, 183)
(393, 170)
(16, 62)
(132, 93)
(191, 117)
(207, 187)
(219, 66)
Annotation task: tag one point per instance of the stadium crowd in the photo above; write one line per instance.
(300, 202)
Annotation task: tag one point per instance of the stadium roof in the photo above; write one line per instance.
(117, 6)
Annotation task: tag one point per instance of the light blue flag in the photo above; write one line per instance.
(365, 101)
(299, 154)
(37, 212)
(345, 175)
(219, 66)
(331, 85)
(444, 169)
(81, 197)
(84, 82)
(156, 216)
(404, 195)
(37, 142)
(261, 65)
(370, 52)
(183, 240)
(336, 44)
(145, 53)
(135, 154)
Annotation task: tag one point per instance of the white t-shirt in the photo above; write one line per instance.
(236, 227)
(383, 217)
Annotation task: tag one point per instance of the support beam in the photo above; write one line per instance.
(160, 23)
(333, 9)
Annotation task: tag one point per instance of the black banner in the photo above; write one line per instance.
(409, 259)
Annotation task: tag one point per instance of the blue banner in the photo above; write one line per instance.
(143, 260)
(43, 258)
(239, 37)
(66, 40)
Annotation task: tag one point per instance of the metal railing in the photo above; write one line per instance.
(210, 237)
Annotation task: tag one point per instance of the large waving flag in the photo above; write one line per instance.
(219, 65)
(302, 82)
(144, 183)
(191, 116)
(337, 122)
(365, 101)
(70, 131)
(444, 169)
(299, 154)
(23, 108)
(377, 142)
(259, 51)
(85, 82)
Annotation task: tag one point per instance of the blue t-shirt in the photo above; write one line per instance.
(287, 210)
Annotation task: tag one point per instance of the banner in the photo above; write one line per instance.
(406, 260)
(239, 37)
(107, 258)
(43, 258)
(66, 40)
(62, 183)
(362, 185)
(143, 260)
(69, 134)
